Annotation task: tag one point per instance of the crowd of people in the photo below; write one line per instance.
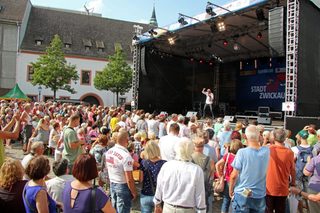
(100, 153)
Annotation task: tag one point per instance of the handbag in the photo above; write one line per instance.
(219, 185)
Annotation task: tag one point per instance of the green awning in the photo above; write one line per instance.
(15, 93)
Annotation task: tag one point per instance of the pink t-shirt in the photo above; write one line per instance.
(229, 168)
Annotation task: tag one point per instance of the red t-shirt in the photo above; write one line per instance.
(229, 168)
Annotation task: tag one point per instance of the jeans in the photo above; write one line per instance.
(243, 204)
(121, 197)
(146, 203)
(226, 198)
(204, 110)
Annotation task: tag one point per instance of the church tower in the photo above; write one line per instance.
(153, 20)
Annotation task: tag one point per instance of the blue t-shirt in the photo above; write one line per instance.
(82, 203)
(30, 193)
(223, 138)
(154, 169)
(252, 165)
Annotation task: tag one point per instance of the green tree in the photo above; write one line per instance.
(52, 71)
(116, 76)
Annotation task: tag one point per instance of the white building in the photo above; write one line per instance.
(87, 69)
(87, 39)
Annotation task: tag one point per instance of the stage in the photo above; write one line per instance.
(246, 65)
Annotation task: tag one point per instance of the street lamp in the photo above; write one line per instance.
(39, 90)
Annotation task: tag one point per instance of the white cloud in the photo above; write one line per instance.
(95, 6)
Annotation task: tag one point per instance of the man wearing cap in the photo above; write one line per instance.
(209, 101)
(301, 154)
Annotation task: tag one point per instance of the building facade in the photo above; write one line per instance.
(87, 38)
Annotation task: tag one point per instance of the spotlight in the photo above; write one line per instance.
(171, 40)
(152, 32)
(201, 61)
(225, 43)
(182, 21)
(135, 37)
(221, 26)
(209, 10)
(236, 47)
(259, 35)
(191, 59)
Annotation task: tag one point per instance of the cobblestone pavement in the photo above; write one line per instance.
(16, 152)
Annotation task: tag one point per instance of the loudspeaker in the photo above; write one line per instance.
(230, 118)
(276, 31)
(264, 120)
(191, 113)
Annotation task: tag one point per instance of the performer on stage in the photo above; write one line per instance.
(209, 101)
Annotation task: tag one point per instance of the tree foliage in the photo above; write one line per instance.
(52, 71)
(116, 76)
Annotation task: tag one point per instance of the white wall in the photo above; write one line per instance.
(25, 59)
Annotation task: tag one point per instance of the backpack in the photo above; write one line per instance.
(206, 175)
(301, 162)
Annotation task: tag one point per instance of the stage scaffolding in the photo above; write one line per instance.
(292, 55)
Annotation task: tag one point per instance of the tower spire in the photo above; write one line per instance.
(153, 20)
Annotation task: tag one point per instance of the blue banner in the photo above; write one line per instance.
(264, 87)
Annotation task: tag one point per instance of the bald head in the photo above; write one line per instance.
(122, 138)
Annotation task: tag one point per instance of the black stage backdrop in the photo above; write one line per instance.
(168, 83)
(308, 101)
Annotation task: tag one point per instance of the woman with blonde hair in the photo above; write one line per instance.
(11, 186)
(149, 170)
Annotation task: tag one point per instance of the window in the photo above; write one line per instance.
(100, 50)
(67, 45)
(30, 72)
(85, 77)
(87, 48)
(38, 42)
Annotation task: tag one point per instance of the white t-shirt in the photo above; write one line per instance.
(167, 146)
(209, 99)
(118, 161)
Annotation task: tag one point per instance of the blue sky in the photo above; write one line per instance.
(135, 10)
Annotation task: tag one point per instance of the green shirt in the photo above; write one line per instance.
(70, 136)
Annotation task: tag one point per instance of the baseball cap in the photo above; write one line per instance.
(303, 134)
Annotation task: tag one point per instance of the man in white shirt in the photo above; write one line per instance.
(168, 142)
(209, 101)
(120, 165)
(188, 195)
(55, 186)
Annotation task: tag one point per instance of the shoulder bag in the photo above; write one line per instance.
(219, 185)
